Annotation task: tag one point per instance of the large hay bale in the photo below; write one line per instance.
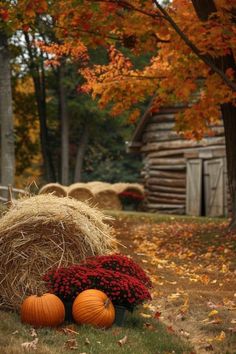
(44, 231)
(55, 189)
(106, 198)
(80, 192)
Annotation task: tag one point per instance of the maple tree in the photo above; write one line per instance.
(193, 46)
(193, 63)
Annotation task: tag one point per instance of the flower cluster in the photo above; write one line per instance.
(122, 289)
(131, 200)
(119, 263)
(131, 195)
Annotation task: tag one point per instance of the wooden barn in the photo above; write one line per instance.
(181, 176)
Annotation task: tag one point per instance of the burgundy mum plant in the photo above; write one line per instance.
(119, 263)
(121, 288)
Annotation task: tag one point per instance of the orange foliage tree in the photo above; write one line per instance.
(193, 45)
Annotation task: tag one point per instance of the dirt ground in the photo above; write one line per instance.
(192, 265)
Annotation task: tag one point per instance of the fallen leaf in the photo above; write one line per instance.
(67, 330)
(209, 348)
(30, 345)
(145, 315)
(204, 279)
(157, 315)
(87, 341)
(225, 268)
(170, 329)
(149, 326)
(71, 344)
(216, 320)
(180, 316)
(184, 333)
(15, 332)
(185, 307)
(233, 321)
(122, 341)
(212, 313)
(33, 333)
(221, 336)
(212, 305)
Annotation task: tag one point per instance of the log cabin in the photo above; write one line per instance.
(181, 176)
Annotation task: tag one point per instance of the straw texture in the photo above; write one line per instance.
(46, 231)
(81, 192)
(128, 187)
(105, 197)
(55, 189)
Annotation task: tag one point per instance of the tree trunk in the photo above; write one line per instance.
(229, 118)
(80, 154)
(64, 127)
(203, 10)
(40, 94)
(6, 115)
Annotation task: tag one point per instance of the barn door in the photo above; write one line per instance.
(214, 187)
(194, 187)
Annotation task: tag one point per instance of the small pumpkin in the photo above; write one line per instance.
(46, 310)
(93, 307)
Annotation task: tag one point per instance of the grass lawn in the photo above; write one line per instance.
(142, 337)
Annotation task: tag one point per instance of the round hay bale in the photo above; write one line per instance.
(128, 187)
(80, 192)
(46, 231)
(98, 183)
(55, 189)
(106, 198)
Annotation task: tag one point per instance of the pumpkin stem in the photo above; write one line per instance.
(106, 302)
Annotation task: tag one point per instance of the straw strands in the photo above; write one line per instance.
(54, 188)
(46, 231)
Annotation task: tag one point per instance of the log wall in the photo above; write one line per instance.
(165, 154)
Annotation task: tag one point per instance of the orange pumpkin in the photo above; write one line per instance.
(43, 311)
(93, 307)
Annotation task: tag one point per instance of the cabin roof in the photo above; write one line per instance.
(136, 140)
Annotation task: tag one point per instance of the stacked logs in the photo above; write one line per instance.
(164, 158)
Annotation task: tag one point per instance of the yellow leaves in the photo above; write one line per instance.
(221, 337)
(145, 315)
(225, 268)
(185, 307)
(229, 304)
(212, 313)
(204, 279)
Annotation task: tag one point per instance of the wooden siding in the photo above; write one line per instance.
(177, 171)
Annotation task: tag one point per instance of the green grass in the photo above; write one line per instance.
(158, 218)
(143, 337)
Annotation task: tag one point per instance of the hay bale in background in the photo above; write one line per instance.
(106, 198)
(46, 231)
(55, 189)
(128, 187)
(80, 192)
(98, 183)
(131, 195)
